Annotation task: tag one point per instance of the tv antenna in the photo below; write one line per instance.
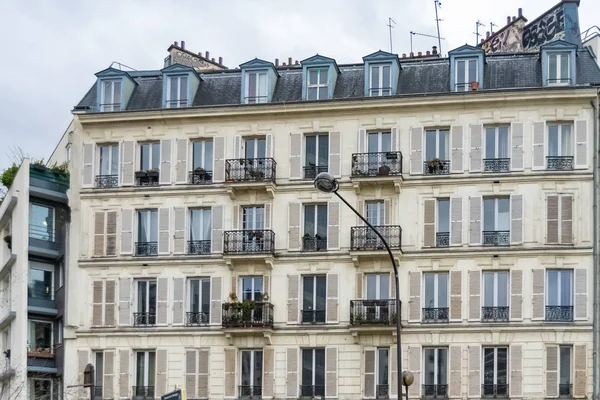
(492, 25)
(389, 25)
(423, 34)
(437, 4)
(477, 25)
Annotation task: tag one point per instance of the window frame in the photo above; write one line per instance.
(146, 377)
(319, 83)
(178, 100)
(51, 239)
(380, 136)
(496, 133)
(313, 368)
(147, 302)
(379, 218)
(380, 88)
(110, 146)
(252, 377)
(202, 163)
(316, 219)
(559, 287)
(377, 370)
(41, 321)
(560, 134)
(465, 85)
(98, 372)
(202, 213)
(150, 212)
(496, 288)
(151, 148)
(34, 379)
(378, 276)
(496, 214)
(436, 372)
(257, 99)
(557, 80)
(112, 106)
(313, 298)
(255, 147)
(190, 301)
(254, 223)
(495, 364)
(571, 369)
(438, 214)
(319, 136)
(253, 292)
(436, 290)
(437, 143)
(46, 267)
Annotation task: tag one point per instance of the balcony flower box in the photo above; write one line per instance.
(152, 173)
(141, 174)
(435, 165)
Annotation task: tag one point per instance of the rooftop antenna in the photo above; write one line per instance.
(422, 34)
(477, 25)
(492, 25)
(437, 4)
(390, 22)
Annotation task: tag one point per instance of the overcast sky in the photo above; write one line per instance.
(53, 48)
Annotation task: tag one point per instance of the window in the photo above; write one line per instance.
(375, 211)
(68, 153)
(382, 373)
(41, 222)
(497, 158)
(200, 231)
(318, 84)
(315, 227)
(59, 331)
(40, 336)
(256, 87)
(560, 146)
(313, 373)
(146, 303)
(145, 368)
(98, 358)
(379, 142)
(565, 362)
(495, 300)
(111, 95)
(255, 148)
(436, 372)
(495, 372)
(42, 389)
(252, 368)
(199, 305)
(108, 169)
(202, 155)
(253, 221)
(437, 144)
(436, 297)
(378, 286)
(443, 223)
(177, 87)
(496, 221)
(314, 296)
(559, 68)
(252, 288)
(317, 155)
(149, 156)
(41, 281)
(147, 234)
(559, 295)
(381, 84)
(466, 72)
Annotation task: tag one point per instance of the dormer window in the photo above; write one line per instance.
(111, 95)
(382, 70)
(256, 87)
(177, 89)
(380, 80)
(466, 73)
(558, 60)
(466, 68)
(559, 68)
(318, 84)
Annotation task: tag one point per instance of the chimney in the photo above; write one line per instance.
(520, 14)
(283, 64)
(428, 53)
(419, 54)
(412, 54)
(220, 60)
(434, 51)
(514, 18)
(212, 59)
(176, 44)
(403, 55)
(183, 44)
(206, 54)
(481, 41)
(487, 35)
(297, 63)
(289, 60)
(277, 62)
(508, 20)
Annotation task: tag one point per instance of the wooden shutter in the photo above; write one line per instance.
(581, 144)
(124, 373)
(164, 230)
(332, 298)
(179, 230)
(293, 303)
(268, 216)
(267, 285)
(335, 158)
(551, 371)
(360, 206)
(108, 384)
(111, 233)
(178, 295)
(393, 283)
(97, 306)
(416, 152)
(538, 299)
(359, 285)
(125, 301)
(216, 240)
(203, 373)
(236, 218)
(268, 372)
(361, 141)
(269, 145)
(88, 165)
(456, 221)
(181, 168)
(369, 373)
(387, 212)
(414, 366)
(475, 220)
(161, 370)
(162, 300)
(294, 211)
(126, 232)
(393, 374)
(552, 208)
(219, 159)
(127, 160)
(516, 219)
(237, 147)
(414, 292)
(109, 303)
(190, 373)
(429, 206)
(394, 143)
(581, 295)
(216, 299)
(230, 356)
(475, 156)
(165, 161)
(566, 219)
(455, 383)
(516, 370)
(580, 371)
(83, 358)
(234, 279)
(456, 157)
(516, 295)
(291, 372)
(516, 155)
(539, 146)
(333, 225)
(99, 233)
(474, 295)
(295, 156)
(331, 372)
(474, 371)
(456, 295)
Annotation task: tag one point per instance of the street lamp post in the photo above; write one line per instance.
(326, 183)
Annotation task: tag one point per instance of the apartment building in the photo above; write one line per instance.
(34, 224)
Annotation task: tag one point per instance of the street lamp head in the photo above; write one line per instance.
(408, 378)
(326, 183)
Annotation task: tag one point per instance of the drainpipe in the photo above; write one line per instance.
(595, 254)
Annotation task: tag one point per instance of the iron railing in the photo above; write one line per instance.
(250, 170)
(97, 393)
(442, 239)
(108, 107)
(496, 165)
(311, 171)
(256, 99)
(178, 103)
(439, 314)
(314, 243)
(559, 313)
(144, 319)
(496, 238)
(199, 247)
(44, 233)
(383, 391)
(146, 249)
(559, 80)
(311, 391)
(313, 316)
(257, 314)
(198, 177)
(249, 241)
(559, 163)
(494, 314)
(373, 312)
(197, 318)
(147, 178)
(107, 181)
(249, 392)
(385, 91)
(496, 390)
(377, 164)
(436, 167)
(143, 392)
(565, 390)
(363, 237)
(435, 391)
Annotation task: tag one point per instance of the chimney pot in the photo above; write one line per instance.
(419, 54)
(212, 59)
(220, 60)
(289, 60)
(508, 20)
(520, 12)
(514, 18)
(403, 55)
(183, 44)
(428, 53)
(297, 62)
(412, 54)
(277, 62)
(206, 54)
(487, 35)
(434, 50)
(176, 44)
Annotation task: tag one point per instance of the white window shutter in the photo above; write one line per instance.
(416, 150)
(229, 371)
(362, 140)
(581, 295)
(552, 217)
(162, 301)
(125, 288)
(476, 154)
(333, 298)
(109, 303)
(127, 232)
(293, 303)
(516, 155)
(268, 215)
(88, 165)
(97, 306)
(456, 156)
(516, 370)
(161, 370)
(539, 146)
(580, 357)
(269, 146)
(216, 299)
(538, 300)
(394, 142)
(203, 373)
(581, 144)
(219, 159)
(331, 372)
(369, 372)
(516, 295)
(335, 156)
(178, 301)
(164, 230)
(295, 156)
(124, 368)
(268, 389)
(516, 219)
(456, 230)
(99, 233)
(111, 233)
(566, 219)
(127, 153)
(216, 240)
(236, 218)
(551, 371)
(456, 295)
(474, 371)
(455, 383)
(237, 147)
(333, 225)
(414, 366)
(190, 372)
(83, 358)
(291, 372)
(181, 173)
(393, 371)
(414, 292)
(360, 206)
(475, 211)
(387, 212)
(359, 285)
(474, 295)
(294, 217)
(166, 150)
(179, 230)
(108, 384)
(429, 234)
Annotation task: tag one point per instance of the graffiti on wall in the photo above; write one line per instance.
(547, 28)
(507, 40)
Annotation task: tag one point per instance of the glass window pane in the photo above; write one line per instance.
(430, 145)
(321, 293)
(443, 215)
(566, 286)
(117, 94)
(429, 361)
(99, 368)
(151, 367)
(251, 86)
(155, 155)
(153, 226)
(502, 289)
(261, 148)
(323, 76)
(552, 296)
(386, 141)
(323, 150)
(382, 377)
(311, 151)
(206, 224)
(246, 367)
(374, 79)
(319, 368)
(553, 140)
(489, 214)
(173, 92)
(371, 287)
(308, 285)
(144, 160)
(472, 71)
(194, 295)
(140, 369)
(197, 154)
(503, 142)
(429, 291)
(41, 222)
(442, 290)
(502, 361)
(442, 367)
(313, 76)
(460, 73)
(384, 286)
(309, 220)
(552, 70)
(565, 365)
(183, 90)
(490, 143)
(152, 297)
(386, 82)
(566, 140)
(249, 148)
(114, 162)
(322, 221)
(323, 92)
(206, 296)
(373, 142)
(503, 214)
(262, 87)
(257, 369)
(488, 366)
(307, 367)
(444, 137)
(208, 155)
(488, 289)
(104, 160)
(564, 67)
(311, 93)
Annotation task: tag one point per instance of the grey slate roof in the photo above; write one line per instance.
(417, 77)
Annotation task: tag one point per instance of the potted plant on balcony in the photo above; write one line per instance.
(435, 165)
(153, 173)
(384, 170)
(359, 318)
(141, 174)
(199, 171)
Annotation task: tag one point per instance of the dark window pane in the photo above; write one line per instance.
(311, 150)
(308, 293)
(321, 293)
(323, 150)
(319, 367)
(488, 366)
(502, 358)
(307, 367)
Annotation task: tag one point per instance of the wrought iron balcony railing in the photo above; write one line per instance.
(314, 243)
(249, 392)
(107, 181)
(497, 390)
(363, 237)
(145, 249)
(494, 314)
(311, 171)
(256, 99)
(177, 103)
(313, 316)
(559, 313)
(199, 247)
(200, 177)
(107, 107)
(559, 163)
(383, 392)
(496, 238)
(143, 392)
(382, 91)
(442, 239)
(433, 391)
(197, 318)
(311, 391)
(144, 319)
(257, 314)
(376, 164)
(97, 393)
(496, 165)
(147, 178)
(565, 390)
(373, 312)
(433, 315)
(249, 241)
(436, 167)
(250, 170)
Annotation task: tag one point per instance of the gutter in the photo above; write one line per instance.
(596, 337)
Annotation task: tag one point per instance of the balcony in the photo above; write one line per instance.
(363, 238)
(435, 315)
(143, 392)
(559, 313)
(199, 247)
(311, 391)
(97, 393)
(106, 181)
(565, 390)
(250, 170)
(494, 314)
(311, 171)
(373, 312)
(559, 163)
(197, 318)
(200, 177)
(248, 314)
(314, 243)
(249, 392)
(376, 164)
(146, 249)
(250, 242)
(383, 392)
(41, 357)
(40, 296)
(147, 178)
(143, 319)
(55, 179)
(313, 316)
(496, 391)
(496, 165)
(442, 239)
(496, 238)
(435, 391)
(436, 167)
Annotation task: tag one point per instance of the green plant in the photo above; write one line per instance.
(359, 317)
(8, 240)
(233, 297)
